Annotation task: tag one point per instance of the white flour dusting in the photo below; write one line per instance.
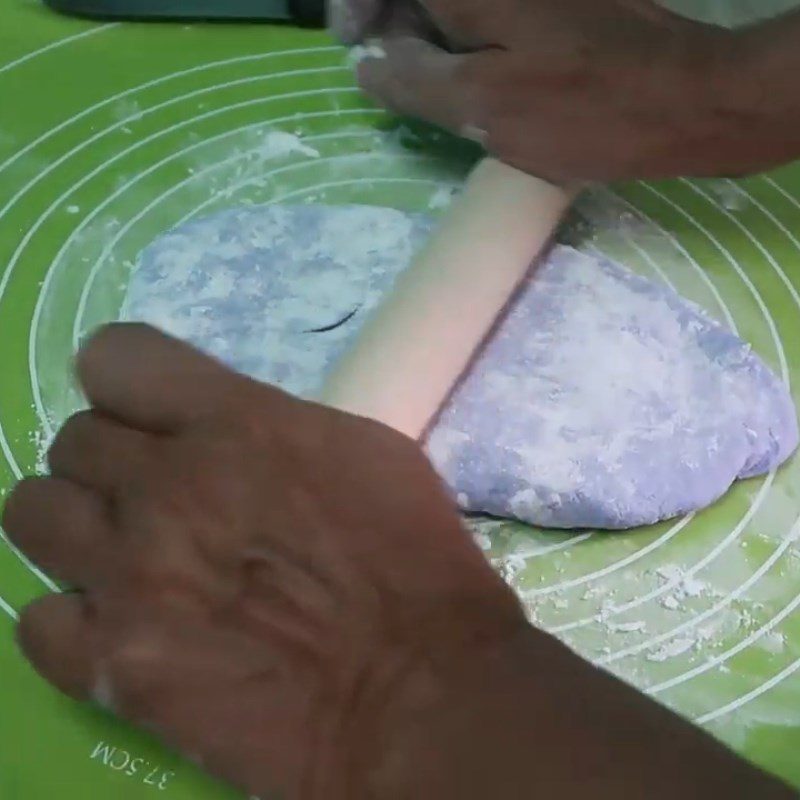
(441, 198)
(363, 52)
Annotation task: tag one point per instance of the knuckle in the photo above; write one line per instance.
(253, 411)
(132, 669)
(102, 340)
(480, 87)
(399, 444)
(73, 436)
(101, 350)
(35, 626)
(22, 498)
(108, 336)
(154, 584)
(29, 626)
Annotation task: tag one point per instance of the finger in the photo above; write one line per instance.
(353, 20)
(61, 527)
(149, 380)
(655, 12)
(419, 79)
(406, 18)
(157, 384)
(98, 453)
(474, 24)
(55, 635)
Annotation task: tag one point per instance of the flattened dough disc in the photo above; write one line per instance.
(603, 400)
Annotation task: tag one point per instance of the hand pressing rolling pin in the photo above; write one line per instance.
(285, 593)
(566, 90)
(576, 90)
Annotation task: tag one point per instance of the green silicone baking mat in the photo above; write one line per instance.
(112, 133)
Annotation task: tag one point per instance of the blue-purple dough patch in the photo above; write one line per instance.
(604, 400)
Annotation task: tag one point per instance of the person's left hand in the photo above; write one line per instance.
(265, 583)
(569, 90)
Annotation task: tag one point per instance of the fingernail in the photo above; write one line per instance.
(371, 49)
(475, 134)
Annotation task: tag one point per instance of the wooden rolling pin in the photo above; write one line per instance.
(412, 351)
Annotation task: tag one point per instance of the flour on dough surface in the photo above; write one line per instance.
(604, 400)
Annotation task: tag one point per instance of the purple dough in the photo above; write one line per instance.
(604, 400)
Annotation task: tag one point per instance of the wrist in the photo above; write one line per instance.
(701, 100)
(433, 656)
(527, 717)
(726, 123)
(437, 723)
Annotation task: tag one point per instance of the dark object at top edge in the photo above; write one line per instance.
(308, 13)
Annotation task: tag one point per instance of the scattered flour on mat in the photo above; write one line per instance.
(441, 198)
(672, 649)
(282, 143)
(685, 585)
(363, 52)
(728, 195)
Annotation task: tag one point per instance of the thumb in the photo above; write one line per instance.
(413, 77)
(353, 20)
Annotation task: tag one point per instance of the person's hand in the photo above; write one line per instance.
(565, 89)
(286, 594)
(264, 583)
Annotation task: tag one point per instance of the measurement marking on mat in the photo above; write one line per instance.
(142, 769)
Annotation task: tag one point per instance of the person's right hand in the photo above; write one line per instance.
(565, 89)
(286, 593)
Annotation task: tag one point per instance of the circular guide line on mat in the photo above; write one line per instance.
(750, 696)
(7, 609)
(739, 271)
(149, 85)
(4, 444)
(96, 171)
(785, 543)
(6, 276)
(158, 199)
(778, 224)
(7, 67)
(795, 532)
(645, 645)
(730, 653)
(4, 279)
(675, 582)
(127, 151)
(177, 126)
